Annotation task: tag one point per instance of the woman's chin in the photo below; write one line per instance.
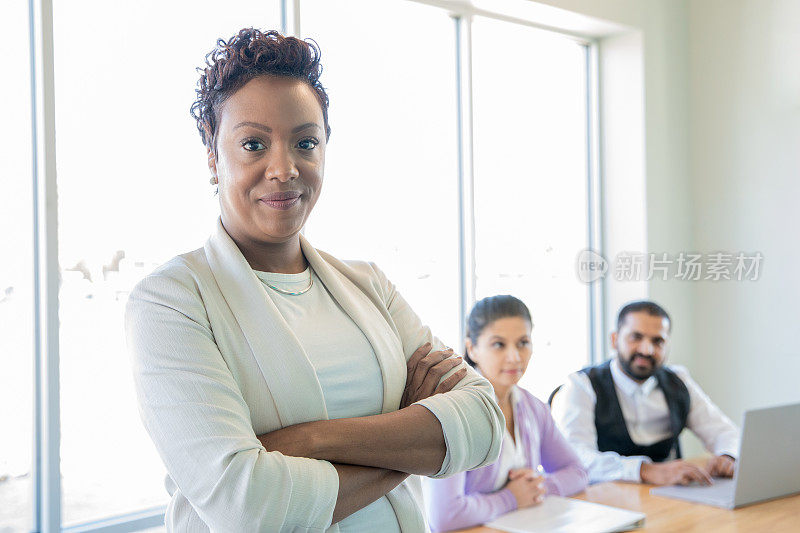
(508, 379)
(278, 233)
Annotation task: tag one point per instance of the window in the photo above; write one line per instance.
(133, 191)
(391, 166)
(16, 278)
(531, 204)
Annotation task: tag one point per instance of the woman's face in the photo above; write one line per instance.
(270, 159)
(503, 350)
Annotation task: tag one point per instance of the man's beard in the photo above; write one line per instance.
(637, 373)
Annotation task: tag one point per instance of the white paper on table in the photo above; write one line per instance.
(557, 514)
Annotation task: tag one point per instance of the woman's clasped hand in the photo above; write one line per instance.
(527, 486)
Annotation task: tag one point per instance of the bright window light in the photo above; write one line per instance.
(391, 191)
(531, 187)
(133, 192)
(16, 277)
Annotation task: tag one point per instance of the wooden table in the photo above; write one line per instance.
(665, 514)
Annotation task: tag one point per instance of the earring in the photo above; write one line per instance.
(213, 180)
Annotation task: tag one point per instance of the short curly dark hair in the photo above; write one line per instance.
(247, 55)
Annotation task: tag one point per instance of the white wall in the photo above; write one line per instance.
(722, 173)
(744, 58)
(648, 200)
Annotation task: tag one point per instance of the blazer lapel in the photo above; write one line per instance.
(289, 375)
(384, 340)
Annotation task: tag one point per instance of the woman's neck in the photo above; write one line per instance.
(503, 394)
(283, 257)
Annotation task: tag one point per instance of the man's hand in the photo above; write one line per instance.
(673, 473)
(720, 466)
(527, 486)
(424, 370)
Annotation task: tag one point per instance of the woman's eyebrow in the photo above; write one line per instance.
(256, 125)
(306, 125)
(267, 129)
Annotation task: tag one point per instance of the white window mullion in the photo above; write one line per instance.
(290, 17)
(465, 169)
(47, 471)
(596, 296)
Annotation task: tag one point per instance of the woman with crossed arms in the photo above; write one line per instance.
(284, 389)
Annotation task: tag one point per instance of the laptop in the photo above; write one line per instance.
(768, 466)
(566, 515)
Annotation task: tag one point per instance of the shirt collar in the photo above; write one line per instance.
(629, 386)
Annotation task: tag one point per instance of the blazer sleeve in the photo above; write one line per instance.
(450, 507)
(471, 420)
(197, 417)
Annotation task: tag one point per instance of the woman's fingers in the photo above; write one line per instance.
(420, 352)
(448, 384)
(435, 373)
(519, 472)
(424, 366)
(425, 370)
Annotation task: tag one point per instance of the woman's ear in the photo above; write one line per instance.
(212, 165)
(468, 346)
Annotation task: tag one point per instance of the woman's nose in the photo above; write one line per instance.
(513, 355)
(281, 167)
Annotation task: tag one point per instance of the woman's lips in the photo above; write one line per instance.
(281, 200)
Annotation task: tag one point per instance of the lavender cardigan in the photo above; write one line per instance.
(466, 500)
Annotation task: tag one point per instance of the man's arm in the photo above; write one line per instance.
(707, 421)
(573, 411)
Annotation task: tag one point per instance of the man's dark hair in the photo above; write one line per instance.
(651, 308)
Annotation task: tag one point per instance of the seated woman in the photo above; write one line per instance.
(535, 459)
(284, 389)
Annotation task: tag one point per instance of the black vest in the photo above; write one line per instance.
(612, 433)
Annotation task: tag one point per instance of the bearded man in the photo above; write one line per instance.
(624, 416)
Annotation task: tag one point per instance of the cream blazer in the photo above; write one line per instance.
(215, 364)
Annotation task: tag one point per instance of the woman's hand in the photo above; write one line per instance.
(527, 486)
(424, 370)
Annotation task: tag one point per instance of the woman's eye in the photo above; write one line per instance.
(252, 145)
(525, 343)
(497, 345)
(308, 144)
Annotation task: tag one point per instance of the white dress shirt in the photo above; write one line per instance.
(646, 415)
